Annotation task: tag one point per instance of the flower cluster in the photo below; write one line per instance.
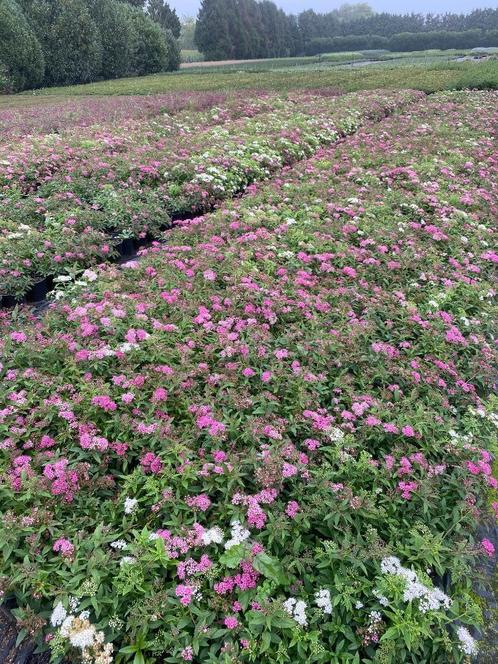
(82, 636)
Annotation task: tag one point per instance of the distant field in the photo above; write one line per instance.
(191, 55)
(429, 72)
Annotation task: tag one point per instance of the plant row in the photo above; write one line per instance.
(67, 203)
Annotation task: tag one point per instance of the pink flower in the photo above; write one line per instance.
(289, 470)
(454, 336)
(64, 547)
(488, 547)
(151, 463)
(105, 402)
(185, 593)
(187, 654)
(160, 394)
(311, 444)
(231, 622)
(209, 275)
(407, 488)
(292, 509)
(201, 502)
(18, 337)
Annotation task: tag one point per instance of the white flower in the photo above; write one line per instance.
(239, 534)
(66, 626)
(119, 544)
(336, 434)
(322, 599)
(382, 599)
(73, 603)
(431, 599)
(58, 616)
(130, 504)
(299, 613)
(358, 605)
(84, 638)
(390, 565)
(468, 644)
(126, 347)
(90, 275)
(289, 605)
(127, 560)
(297, 610)
(212, 535)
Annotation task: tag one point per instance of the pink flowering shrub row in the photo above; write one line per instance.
(271, 438)
(67, 204)
(49, 117)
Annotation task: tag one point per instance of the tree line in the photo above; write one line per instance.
(246, 29)
(62, 42)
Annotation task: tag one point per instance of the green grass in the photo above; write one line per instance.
(191, 55)
(428, 77)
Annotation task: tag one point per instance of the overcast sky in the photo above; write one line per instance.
(190, 7)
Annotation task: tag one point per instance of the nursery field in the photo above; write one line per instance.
(269, 435)
(427, 71)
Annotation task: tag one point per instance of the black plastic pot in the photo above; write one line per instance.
(126, 247)
(142, 241)
(10, 301)
(38, 291)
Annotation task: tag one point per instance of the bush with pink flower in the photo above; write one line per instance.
(157, 491)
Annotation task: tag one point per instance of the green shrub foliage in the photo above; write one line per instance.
(21, 59)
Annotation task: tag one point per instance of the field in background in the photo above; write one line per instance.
(191, 55)
(428, 71)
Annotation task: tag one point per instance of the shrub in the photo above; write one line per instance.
(69, 38)
(21, 58)
(116, 35)
(150, 50)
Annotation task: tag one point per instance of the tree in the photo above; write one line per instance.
(116, 35)
(354, 12)
(134, 3)
(160, 12)
(187, 33)
(212, 30)
(69, 38)
(245, 29)
(152, 48)
(21, 58)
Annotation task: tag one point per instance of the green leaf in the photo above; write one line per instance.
(269, 567)
(233, 556)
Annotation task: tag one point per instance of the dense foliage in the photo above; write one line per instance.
(404, 41)
(70, 202)
(314, 25)
(60, 42)
(160, 12)
(21, 58)
(245, 29)
(249, 29)
(270, 438)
